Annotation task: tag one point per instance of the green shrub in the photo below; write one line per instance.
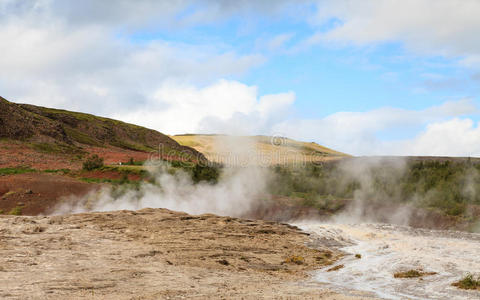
(93, 162)
(205, 173)
(446, 187)
(468, 283)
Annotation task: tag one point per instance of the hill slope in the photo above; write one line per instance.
(270, 150)
(64, 131)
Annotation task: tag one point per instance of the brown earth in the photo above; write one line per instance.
(14, 154)
(39, 193)
(158, 254)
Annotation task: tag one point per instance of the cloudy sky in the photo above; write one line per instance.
(365, 77)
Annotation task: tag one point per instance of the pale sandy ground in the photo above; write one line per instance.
(157, 254)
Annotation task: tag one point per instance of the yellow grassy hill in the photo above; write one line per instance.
(265, 150)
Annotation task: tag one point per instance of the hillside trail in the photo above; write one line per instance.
(386, 249)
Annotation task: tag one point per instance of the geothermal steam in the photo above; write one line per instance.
(238, 189)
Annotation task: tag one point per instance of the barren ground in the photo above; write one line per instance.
(39, 193)
(14, 154)
(157, 254)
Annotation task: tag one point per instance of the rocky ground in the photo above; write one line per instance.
(157, 254)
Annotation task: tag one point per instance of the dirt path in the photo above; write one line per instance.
(156, 254)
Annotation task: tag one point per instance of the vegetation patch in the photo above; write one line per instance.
(132, 162)
(81, 137)
(93, 162)
(469, 282)
(413, 274)
(295, 259)
(131, 146)
(446, 188)
(336, 268)
(56, 148)
(16, 211)
(17, 170)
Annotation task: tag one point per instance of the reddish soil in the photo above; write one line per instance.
(14, 154)
(38, 193)
(113, 156)
(113, 175)
(19, 154)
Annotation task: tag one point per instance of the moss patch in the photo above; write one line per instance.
(412, 274)
(469, 282)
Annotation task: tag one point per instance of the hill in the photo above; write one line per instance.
(269, 150)
(55, 131)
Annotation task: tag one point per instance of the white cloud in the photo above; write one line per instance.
(438, 27)
(358, 132)
(456, 137)
(224, 107)
(86, 66)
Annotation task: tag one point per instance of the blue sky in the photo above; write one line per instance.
(364, 77)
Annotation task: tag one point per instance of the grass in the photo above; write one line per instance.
(84, 128)
(23, 170)
(469, 282)
(81, 137)
(17, 170)
(132, 162)
(80, 116)
(127, 169)
(56, 148)
(412, 274)
(16, 211)
(99, 180)
(130, 146)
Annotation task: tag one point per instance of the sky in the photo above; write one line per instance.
(386, 77)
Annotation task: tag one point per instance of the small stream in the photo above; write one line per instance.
(386, 249)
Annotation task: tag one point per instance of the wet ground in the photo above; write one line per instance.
(386, 249)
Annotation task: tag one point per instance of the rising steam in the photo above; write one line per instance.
(237, 190)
